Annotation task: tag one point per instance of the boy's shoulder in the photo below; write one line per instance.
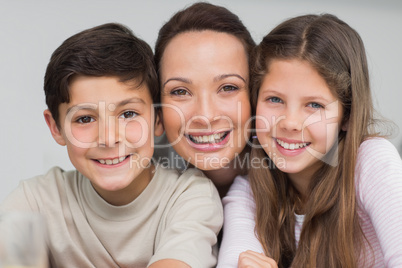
(31, 193)
(186, 180)
(54, 177)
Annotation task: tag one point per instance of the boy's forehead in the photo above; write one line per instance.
(87, 90)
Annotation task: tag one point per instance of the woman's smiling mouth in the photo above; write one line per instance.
(206, 139)
(208, 142)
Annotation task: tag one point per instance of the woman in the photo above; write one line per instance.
(202, 57)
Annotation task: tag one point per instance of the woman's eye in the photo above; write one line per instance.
(228, 88)
(179, 92)
(85, 119)
(275, 100)
(315, 105)
(128, 115)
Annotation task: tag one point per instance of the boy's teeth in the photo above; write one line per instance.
(291, 146)
(112, 161)
(214, 138)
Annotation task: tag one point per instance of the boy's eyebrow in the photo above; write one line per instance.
(85, 106)
(130, 100)
(223, 76)
(91, 106)
(181, 79)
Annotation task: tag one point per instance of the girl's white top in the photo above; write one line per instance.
(378, 180)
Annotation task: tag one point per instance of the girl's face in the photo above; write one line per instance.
(298, 118)
(205, 101)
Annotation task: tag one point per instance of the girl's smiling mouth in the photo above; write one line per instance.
(291, 145)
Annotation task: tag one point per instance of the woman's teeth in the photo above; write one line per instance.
(292, 146)
(214, 138)
(112, 161)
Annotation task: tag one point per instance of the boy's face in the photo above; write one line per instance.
(108, 128)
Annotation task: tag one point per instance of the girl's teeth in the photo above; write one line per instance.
(291, 146)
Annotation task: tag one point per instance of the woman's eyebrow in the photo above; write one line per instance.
(180, 79)
(223, 76)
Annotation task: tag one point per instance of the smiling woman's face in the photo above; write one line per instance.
(205, 97)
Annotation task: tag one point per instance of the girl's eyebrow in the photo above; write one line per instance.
(270, 91)
(316, 98)
(180, 79)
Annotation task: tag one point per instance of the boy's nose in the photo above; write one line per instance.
(109, 133)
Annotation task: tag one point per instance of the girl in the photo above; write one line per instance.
(202, 56)
(328, 189)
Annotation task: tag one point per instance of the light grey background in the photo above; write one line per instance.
(31, 30)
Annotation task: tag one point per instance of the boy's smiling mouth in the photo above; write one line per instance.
(113, 161)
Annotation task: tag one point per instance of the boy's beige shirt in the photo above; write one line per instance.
(177, 217)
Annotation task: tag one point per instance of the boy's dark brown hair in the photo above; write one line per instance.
(106, 50)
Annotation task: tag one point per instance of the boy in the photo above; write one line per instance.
(117, 209)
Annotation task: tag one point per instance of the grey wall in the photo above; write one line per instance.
(31, 30)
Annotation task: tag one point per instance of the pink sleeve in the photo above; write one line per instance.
(239, 224)
(379, 192)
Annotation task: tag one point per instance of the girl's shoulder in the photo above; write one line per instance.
(376, 149)
(378, 163)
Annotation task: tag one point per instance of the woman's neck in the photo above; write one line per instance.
(223, 178)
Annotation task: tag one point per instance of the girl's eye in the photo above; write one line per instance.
(179, 92)
(229, 88)
(128, 115)
(85, 120)
(275, 100)
(315, 105)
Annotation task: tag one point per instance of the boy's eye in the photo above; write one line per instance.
(275, 100)
(85, 119)
(229, 88)
(315, 105)
(128, 115)
(179, 92)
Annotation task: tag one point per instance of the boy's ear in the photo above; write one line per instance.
(54, 130)
(158, 128)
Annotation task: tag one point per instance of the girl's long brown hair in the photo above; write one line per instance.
(331, 235)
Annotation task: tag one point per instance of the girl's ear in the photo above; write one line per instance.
(54, 130)
(345, 126)
(158, 128)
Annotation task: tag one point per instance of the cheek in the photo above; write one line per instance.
(82, 136)
(137, 132)
(243, 112)
(263, 119)
(173, 118)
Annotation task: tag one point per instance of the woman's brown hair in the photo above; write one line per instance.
(331, 235)
(202, 16)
